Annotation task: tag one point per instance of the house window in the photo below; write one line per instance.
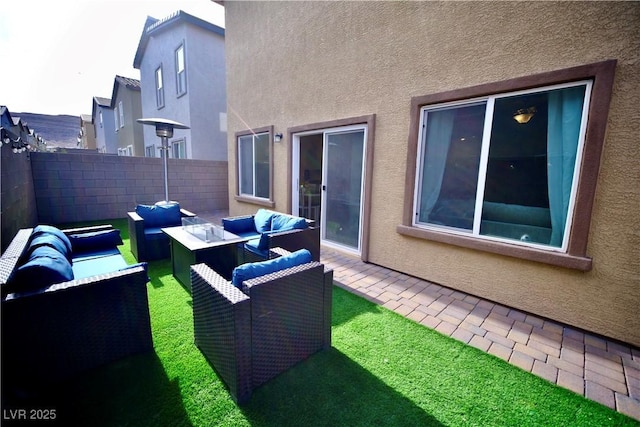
(254, 164)
(181, 73)
(121, 114)
(150, 151)
(115, 118)
(179, 149)
(509, 167)
(159, 88)
(129, 150)
(100, 114)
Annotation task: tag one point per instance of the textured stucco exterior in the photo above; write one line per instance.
(295, 63)
(205, 99)
(131, 132)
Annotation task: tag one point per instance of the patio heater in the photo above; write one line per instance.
(164, 129)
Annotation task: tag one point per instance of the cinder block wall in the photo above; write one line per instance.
(86, 187)
(17, 200)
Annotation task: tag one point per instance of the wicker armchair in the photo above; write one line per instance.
(148, 243)
(251, 336)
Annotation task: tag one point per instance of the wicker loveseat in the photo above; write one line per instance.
(274, 321)
(53, 331)
(267, 229)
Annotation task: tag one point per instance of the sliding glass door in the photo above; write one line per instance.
(342, 187)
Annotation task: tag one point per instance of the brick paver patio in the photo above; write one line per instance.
(603, 370)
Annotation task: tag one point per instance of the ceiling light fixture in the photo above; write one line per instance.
(524, 115)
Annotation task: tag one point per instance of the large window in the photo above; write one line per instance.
(159, 88)
(504, 166)
(181, 73)
(254, 165)
(510, 167)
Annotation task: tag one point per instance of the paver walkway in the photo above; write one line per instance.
(593, 366)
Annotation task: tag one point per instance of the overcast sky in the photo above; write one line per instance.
(56, 55)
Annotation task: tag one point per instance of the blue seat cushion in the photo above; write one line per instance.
(52, 241)
(239, 225)
(49, 229)
(154, 233)
(88, 267)
(167, 215)
(286, 222)
(253, 245)
(96, 240)
(44, 267)
(256, 269)
(262, 220)
(83, 256)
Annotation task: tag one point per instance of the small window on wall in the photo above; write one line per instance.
(121, 114)
(115, 118)
(179, 149)
(254, 165)
(181, 72)
(511, 171)
(159, 88)
(100, 114)
(129, 150)
(150, 151)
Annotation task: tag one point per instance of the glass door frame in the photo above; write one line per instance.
(295, 181)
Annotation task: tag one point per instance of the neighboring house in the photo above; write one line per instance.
(182, 70)
(492, 155)
(127, 109)
(87, 136)
(103, 122)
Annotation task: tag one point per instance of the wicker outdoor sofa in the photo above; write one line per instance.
(251, 335)
(54, 332)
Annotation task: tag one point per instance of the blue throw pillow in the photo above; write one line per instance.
(262, 220)
(44, 267)
(52, 241)
(286, 222)
(96, 240)
(238, 225)
(256, 269)
(167, 215)
(49, 229)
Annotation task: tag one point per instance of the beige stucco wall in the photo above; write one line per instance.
(295, 63)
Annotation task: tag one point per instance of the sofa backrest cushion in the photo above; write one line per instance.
(287, 222)
(262, 220)
(166, 215)
(44, 267)
(256, 269)
(51, 230)
(96, 240)
(50, 240)
(238, 225)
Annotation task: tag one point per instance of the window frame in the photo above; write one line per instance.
(115, 118)
(267, 202)
(180, 91)
(159, 87)
(121, 112)
(575, 256)
(150, 149)
(177, 143)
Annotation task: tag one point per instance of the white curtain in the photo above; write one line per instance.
(438, 140)
(565, 114)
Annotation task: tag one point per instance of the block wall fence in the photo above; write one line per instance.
(58, 188)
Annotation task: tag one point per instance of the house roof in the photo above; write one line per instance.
(155, 26)
(127, 82)
(103, 102)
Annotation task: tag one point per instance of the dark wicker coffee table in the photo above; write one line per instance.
(187, 250)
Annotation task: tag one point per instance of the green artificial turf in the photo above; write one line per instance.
(383, 369)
